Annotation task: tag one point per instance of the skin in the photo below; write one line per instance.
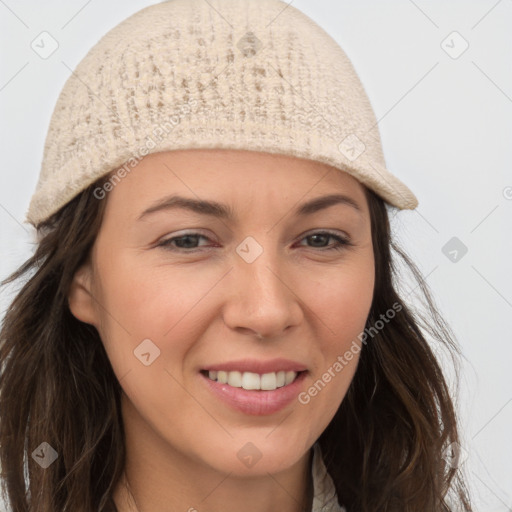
(206, 306)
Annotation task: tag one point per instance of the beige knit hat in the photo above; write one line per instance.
(241, 74)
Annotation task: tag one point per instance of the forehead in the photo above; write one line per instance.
(233, 176)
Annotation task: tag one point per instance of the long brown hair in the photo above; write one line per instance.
(384, 448)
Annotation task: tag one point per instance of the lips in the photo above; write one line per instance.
(255, 387)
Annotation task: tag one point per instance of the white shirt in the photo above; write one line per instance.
(324, 492)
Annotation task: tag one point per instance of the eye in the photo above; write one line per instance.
(320, 237)
(183, 242)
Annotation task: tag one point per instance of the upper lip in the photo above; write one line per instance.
(258, 366)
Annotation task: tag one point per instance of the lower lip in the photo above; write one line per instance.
(257, 403)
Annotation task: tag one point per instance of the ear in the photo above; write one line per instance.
(80, 298)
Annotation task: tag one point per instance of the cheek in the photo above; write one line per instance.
(343, 301)
(352, 304)
(152, 301)
(156, 303)
(342, 305)
(149, 325)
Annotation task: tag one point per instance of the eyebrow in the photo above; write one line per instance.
(215, 209)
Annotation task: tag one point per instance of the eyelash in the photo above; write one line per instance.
(341, 244)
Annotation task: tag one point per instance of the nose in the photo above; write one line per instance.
(261, 297)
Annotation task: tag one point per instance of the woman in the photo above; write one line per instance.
(272, 366)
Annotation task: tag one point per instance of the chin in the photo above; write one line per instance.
(254, 458)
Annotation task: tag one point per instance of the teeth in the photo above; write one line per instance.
(289, 378)
(253, 381)
(268, 381)
(235, 379)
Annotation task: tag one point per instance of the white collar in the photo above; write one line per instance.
(324, 492)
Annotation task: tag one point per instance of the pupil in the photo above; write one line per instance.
(179, 241)
(315, 237)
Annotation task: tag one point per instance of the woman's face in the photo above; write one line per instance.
(176, 292)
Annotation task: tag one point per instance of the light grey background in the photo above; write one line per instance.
(446, 126)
